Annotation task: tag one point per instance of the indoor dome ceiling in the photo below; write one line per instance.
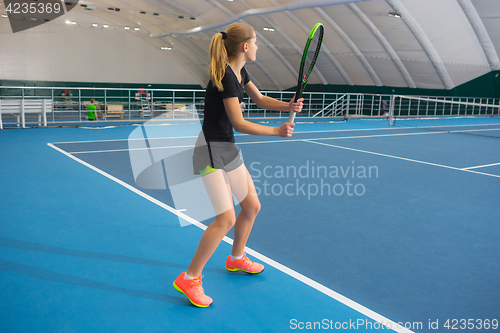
(402, 43)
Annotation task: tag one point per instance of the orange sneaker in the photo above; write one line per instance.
(193, 290)
(244, 264)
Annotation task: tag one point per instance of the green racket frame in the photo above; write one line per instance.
(303, 77)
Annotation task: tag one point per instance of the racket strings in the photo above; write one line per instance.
(312, 53)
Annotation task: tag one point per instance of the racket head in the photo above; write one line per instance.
(309, 57)
(311, 51)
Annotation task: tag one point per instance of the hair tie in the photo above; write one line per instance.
(224, 35)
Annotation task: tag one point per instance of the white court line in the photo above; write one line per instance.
(403, 158)
(304, 279)
(274, 141)
(329, 138)
(481, 166)
(279, 141)
(127, 149)
(120, 140)
(325, 131)
(238, 134)
(476, 130)
(265, 141)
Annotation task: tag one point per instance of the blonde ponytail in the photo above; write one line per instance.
(218, 61)
(221, 50)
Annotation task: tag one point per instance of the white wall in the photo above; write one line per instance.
(58, 52)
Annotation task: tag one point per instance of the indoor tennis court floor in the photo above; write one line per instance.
(361, 224)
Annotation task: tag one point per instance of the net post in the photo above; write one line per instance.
(391, 110)
(80, 104)
(153, 104)
(347, 107)
(105, 106)
(173, 105)
(129, 104)
(194, 103)
(53, 103)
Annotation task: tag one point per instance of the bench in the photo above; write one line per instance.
(179, 109)
(113, 110)
(176, 107)
(20, 107)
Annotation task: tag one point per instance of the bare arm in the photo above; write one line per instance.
(235, 115)
(266, 102)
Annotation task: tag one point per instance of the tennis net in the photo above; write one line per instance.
(414, 106)
(471, 116)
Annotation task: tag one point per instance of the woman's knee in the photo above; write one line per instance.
(251, 207)
(226, 220)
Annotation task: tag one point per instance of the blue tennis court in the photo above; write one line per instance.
(363, 227)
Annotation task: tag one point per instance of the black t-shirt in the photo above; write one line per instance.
(216, 125)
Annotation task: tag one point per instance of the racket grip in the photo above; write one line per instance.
(291, 117)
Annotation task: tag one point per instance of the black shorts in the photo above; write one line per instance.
(211, 156)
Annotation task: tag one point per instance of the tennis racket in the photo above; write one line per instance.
(311, 52)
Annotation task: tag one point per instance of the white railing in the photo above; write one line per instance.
(20, 107)
(69, 105)
(338, 107)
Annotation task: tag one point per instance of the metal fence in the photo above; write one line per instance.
(120, 104)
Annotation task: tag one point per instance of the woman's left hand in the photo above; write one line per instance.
(296, 106)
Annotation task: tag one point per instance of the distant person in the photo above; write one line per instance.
(67, 93)
(91, 108)
(383, 108)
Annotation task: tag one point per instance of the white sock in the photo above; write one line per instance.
(187, 277)
(236, 258)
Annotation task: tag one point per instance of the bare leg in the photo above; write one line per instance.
(244, 189)
(219, 193)
(209, 242)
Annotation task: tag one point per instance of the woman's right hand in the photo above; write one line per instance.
(285, 130)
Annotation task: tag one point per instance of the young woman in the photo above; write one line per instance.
(218, 160)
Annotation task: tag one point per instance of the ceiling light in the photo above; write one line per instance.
(136, 29)
(33, 18)
(268, 29)
(68, 22)
(73, 22)
(127, 28)
(166, 48)
(4, 15)
(105, 26)
(95, 25)
(394, 14)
